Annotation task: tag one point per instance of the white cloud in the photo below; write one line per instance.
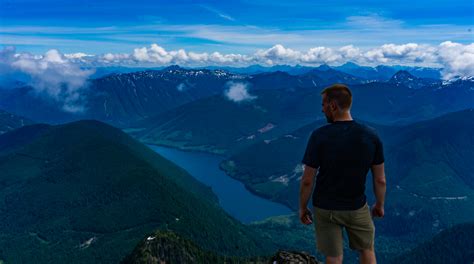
(218, 13)
(78, 55)
(51, 74)
(458, 59)
(364, 31)
(277, 55)
(181, 87)
(349, 52)
(402, 54)
(321, 55)
(224, 16)
(455, 58)
(153, 54)
(117, 58)
(237, 92)
(373, 22)
(156, 54)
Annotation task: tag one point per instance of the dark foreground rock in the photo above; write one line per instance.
(293, 257)
(167, 247)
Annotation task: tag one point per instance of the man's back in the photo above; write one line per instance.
(344, 152)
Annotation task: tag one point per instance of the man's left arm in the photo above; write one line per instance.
(306, 188)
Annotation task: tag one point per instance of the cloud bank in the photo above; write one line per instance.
(456, 59)
(52, 74)
(63, 77)
(237, 92)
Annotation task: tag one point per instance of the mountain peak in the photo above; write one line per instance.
(324, 67)
(350, 65)
(402, 76)
(273, 74)
(172, 68)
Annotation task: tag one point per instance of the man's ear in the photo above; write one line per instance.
(333, 106)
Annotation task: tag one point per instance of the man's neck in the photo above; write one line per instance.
(346, 116)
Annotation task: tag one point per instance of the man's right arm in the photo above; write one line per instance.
(380, 186)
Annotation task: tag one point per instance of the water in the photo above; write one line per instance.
(233, 197)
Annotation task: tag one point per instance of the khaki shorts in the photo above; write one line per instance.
(358, 224)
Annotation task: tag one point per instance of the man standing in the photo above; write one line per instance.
(342, 152)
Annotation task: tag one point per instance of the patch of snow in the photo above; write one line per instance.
(105, 106)
(449, 198)
(266, 128)
(298, 168)
(150, 238)
(283, 179)
(267, 141)
(87, 243)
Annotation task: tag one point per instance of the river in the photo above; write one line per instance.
(234, 198)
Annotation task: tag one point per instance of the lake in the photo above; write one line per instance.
(234, 198)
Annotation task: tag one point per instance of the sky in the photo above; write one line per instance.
(56, 45)
(239, 33)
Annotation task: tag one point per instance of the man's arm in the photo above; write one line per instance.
(380, 186)
(306, 187)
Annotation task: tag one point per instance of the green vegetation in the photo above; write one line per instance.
(86, 192)
(428, 166)
(453, 245)
(167, 246)
(216, 124)
(219, 125)
(288, 233)
(10, 121)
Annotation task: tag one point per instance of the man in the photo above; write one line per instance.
(342, 152)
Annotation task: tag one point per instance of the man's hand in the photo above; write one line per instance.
(377, 210)
(380, 187)
(306, 217)
(306, 187)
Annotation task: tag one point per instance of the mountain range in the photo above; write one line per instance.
(86, 192)
(220, 125)
(124, 96)
(380, 72)
(10, 121)
(428, 168)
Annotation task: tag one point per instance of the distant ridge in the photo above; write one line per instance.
(85, 191)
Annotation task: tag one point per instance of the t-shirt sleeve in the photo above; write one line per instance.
(310, 157)
(378, 155)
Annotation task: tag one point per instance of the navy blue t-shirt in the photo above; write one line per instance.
(344, 152)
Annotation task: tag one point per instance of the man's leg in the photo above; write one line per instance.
(367, 256)
(361, 232)
(328, 235)
(334, 260)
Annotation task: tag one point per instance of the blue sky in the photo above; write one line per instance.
(56, 43)
(99, 27)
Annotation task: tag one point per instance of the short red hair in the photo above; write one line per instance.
(340, 93)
